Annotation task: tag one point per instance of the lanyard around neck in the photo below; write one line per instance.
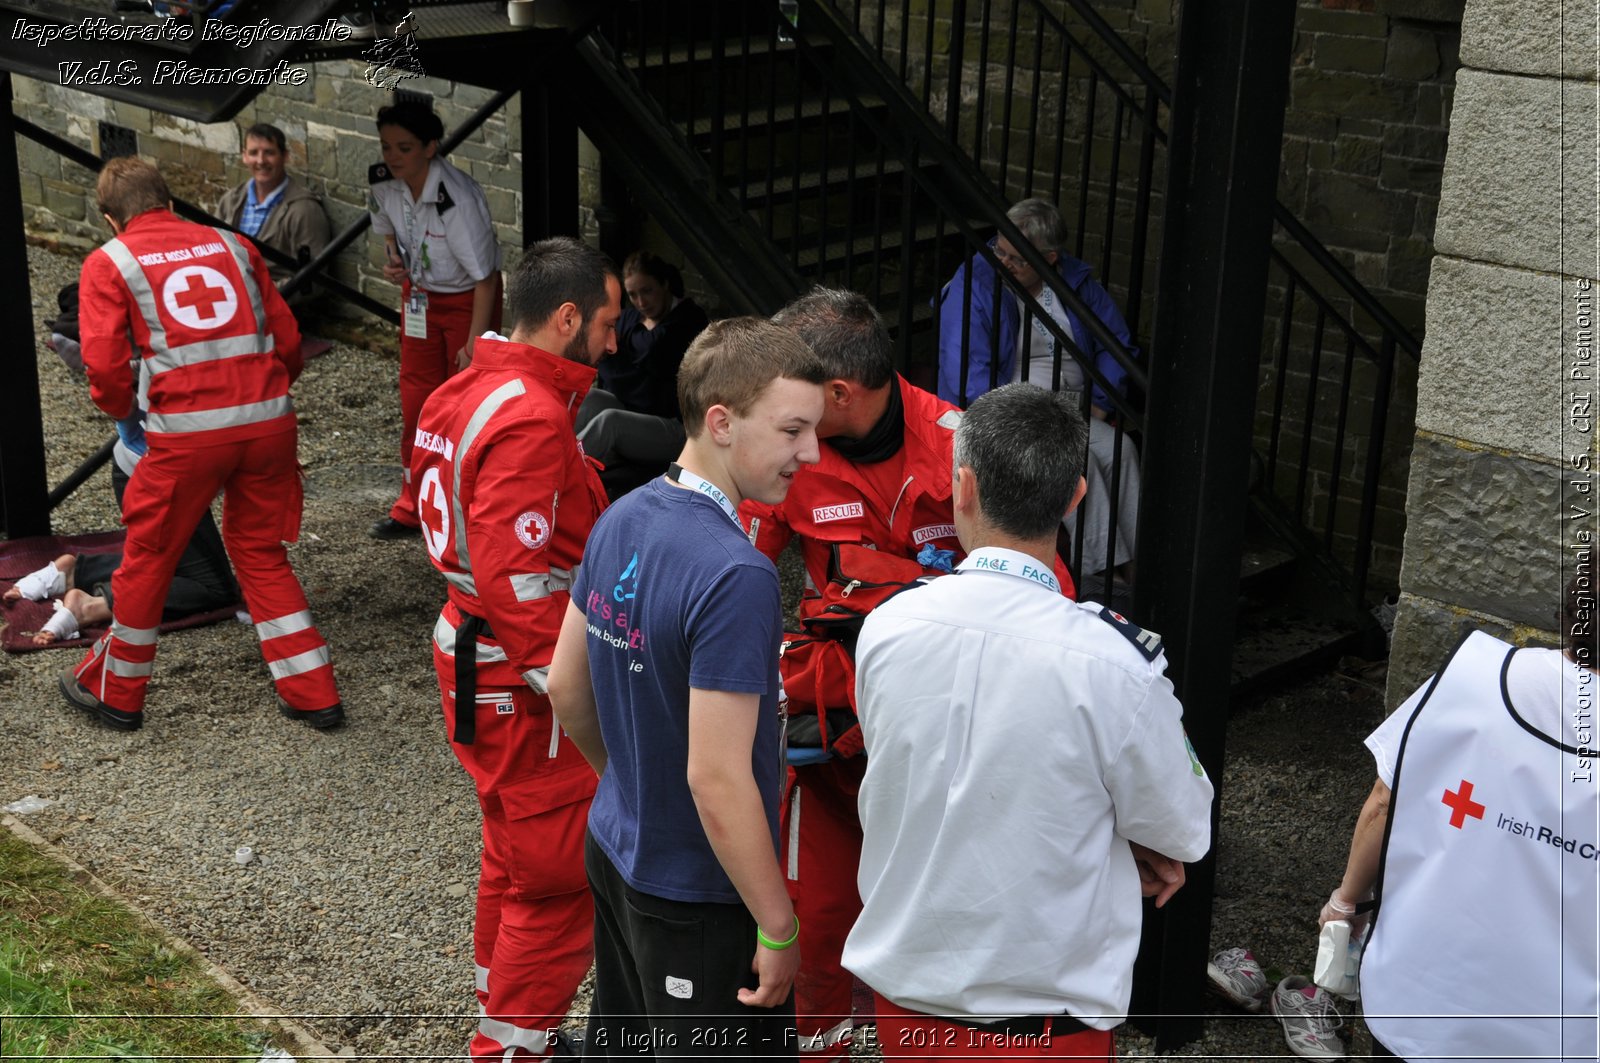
(678, 474)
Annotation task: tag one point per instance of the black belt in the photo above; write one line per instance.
(467, 633)
(1026, 1026)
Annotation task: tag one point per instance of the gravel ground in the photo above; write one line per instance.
(357, 907)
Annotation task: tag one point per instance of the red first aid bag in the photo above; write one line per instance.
(818, 664)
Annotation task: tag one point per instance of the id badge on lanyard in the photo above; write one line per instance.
(416, 315)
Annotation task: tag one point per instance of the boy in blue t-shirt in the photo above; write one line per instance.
(666, 678)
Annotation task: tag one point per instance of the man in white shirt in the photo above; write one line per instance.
(1027, 774)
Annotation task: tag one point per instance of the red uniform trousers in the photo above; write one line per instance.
(821, 852)
(533, 938)
(261, 502)
(906, 1034)
(424, 365)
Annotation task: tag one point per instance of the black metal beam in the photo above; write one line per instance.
(24, 504)
(1223, 149)
(549, 161)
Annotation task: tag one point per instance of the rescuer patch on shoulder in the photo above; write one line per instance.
(378, 172)
(444, 202)
(949, 419)
(1148, 643)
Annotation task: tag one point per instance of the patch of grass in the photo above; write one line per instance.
(81, 977)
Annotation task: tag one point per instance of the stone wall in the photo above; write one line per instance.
(332, 141)
(1501, 480)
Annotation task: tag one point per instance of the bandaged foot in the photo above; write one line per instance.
(61, 625)
(49, 582)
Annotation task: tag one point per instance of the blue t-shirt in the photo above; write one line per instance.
(676, 598)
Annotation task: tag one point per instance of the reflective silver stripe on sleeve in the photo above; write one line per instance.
(128, 669)
(480, 417)
(531, 586)
(284, 625)
(226, 417)
(462, 581)
(143, 295)
(207, 351)
(444, 637)
(134, 636)
(252, 292)
(299, 664)
(537, 678)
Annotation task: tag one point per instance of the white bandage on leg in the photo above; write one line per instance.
(48, 582)
(63, 625)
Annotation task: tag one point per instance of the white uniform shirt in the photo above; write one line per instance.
(449, 225)
(1016, 742)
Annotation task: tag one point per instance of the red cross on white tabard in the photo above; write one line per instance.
(1462, 805)
(199, 292)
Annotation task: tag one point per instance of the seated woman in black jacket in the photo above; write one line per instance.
(630, 422)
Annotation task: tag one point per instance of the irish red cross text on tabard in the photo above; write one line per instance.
(1462, 805)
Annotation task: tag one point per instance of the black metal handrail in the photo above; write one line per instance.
(1323, 443)
(849, 175)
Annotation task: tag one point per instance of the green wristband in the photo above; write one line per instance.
(779, 946)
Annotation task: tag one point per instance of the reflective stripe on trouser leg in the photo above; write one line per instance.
(261, 508)
(161, 507)
(295, 652)
(533, 937)
(822, 851)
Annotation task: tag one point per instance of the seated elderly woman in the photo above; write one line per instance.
(987, 338)
(1479, 843)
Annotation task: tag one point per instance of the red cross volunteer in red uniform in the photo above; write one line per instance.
(883, 481)
(506, 500)
(217, 349)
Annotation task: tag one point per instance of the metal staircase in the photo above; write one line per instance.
(876, 144)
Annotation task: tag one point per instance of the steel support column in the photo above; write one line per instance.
(549, 162)
(23, 493)
(1223, 151)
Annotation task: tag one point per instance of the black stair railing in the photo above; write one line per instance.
(848, 173)
(1048, 99)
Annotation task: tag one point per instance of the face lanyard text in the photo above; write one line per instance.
(678, 474)
(1011, 563)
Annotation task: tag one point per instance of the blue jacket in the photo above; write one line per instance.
(981, 330)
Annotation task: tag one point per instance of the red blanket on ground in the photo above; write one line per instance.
(22, 618)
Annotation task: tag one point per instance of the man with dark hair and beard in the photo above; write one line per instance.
(494, 453)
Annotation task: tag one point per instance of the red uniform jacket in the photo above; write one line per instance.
(217, 346)
(897, 505)
(506, 500)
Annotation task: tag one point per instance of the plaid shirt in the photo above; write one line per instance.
(255, 214)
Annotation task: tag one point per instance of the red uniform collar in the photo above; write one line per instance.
(925, 442)
(567, 378)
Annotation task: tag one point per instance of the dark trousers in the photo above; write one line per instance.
(667, 974)
(202, 582)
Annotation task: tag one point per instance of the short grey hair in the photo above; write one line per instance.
(1041, 223)
(1026, 447)
(845, 331)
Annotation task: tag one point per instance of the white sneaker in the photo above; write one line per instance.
(1235, 974)
(1310, 1020)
